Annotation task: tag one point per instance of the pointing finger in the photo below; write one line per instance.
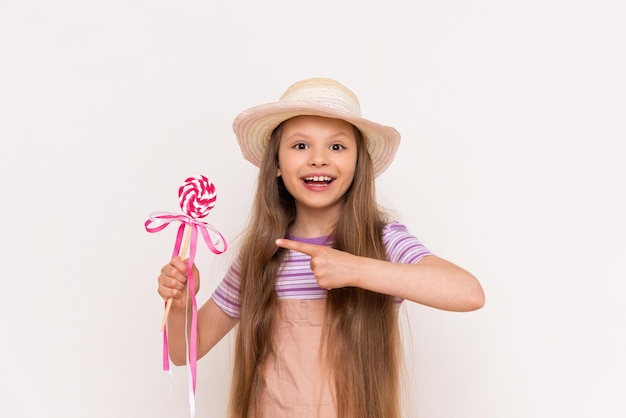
(301, 247)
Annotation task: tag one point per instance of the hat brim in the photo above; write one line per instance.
(253, 128)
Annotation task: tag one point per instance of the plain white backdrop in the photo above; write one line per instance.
(511, 165)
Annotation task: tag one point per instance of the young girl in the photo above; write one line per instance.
(321, 272)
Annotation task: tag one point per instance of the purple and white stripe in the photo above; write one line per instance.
(295, 279)
(402, 247)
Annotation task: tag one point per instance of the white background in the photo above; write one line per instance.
(511, 165)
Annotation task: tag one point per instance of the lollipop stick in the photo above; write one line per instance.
(183, 251)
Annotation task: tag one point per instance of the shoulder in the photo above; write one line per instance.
(401, 245)
(394, 228)
(394, 231)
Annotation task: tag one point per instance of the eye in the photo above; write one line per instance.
(337, 147)
(300, 146)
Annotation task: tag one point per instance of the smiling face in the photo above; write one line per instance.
(317, 158)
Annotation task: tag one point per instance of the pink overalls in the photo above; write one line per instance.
(296, 382)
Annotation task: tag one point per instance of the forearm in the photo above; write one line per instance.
(213, 325)
(177, 320)
(432, 282)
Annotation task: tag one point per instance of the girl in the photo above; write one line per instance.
(321, 272)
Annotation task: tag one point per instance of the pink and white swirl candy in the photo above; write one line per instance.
(197, 196)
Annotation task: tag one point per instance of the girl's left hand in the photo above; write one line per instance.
(432, 281)
(332, 268)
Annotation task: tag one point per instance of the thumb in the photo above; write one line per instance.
(179, 263)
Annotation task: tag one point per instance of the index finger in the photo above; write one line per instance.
(301, 247)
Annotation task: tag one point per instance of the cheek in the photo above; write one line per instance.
(290, 163)
(349, 163)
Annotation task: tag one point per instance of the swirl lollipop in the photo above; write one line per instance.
(196, 197)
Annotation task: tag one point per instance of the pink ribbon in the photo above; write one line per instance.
(157, 222)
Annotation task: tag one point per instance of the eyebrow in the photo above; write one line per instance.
(298, 134)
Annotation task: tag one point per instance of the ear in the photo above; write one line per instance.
(278, 173)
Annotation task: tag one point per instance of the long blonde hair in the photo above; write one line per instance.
(362, 338)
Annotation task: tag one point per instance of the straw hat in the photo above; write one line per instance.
(318, 97)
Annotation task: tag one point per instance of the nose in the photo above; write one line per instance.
(318, 157)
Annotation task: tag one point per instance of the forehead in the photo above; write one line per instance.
(319, 123)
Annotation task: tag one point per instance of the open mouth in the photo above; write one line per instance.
(318, 180)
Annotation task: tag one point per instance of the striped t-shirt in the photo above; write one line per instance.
(295, 279)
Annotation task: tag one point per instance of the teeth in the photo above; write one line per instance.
(318, 178)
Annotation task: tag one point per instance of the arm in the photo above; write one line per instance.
(432, 281)
(213, 323)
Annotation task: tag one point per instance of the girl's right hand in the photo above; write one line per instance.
(173, 282)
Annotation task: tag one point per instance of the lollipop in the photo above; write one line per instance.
(196, 197)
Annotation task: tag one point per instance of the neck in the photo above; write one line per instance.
(311, 223)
